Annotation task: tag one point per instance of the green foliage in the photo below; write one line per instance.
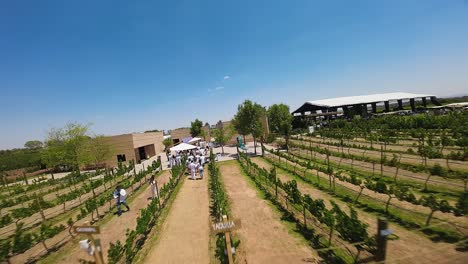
(20, 158)
(280, 119)
(21, 240)
(349, 226)
(5, 220)
(196, 128)
(223, 134)
(462, 204)
(247, 120)
(5, 247)
(167, 143)
(115, 252)
(294, 194)
(68, 146)
(438, 170)
(33, 144)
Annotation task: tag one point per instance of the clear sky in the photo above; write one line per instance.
(128, 66)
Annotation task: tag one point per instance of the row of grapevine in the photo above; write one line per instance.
(448, 233)
(39, 204)
(305, 210)
(390, 187)
(386, 186)
(219, 206)
(435, 170)
(28, 193)
(421, 181)
(126, 252)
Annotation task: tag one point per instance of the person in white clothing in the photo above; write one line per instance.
(202, 160)
(154, 188)
(120, 195)
(200, 170)
(178, 160)
(193, 169)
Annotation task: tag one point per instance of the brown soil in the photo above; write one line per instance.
(184, 236)
(263, 236)
(410, 248)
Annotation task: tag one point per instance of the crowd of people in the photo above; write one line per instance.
(195, 159)
(194, 162)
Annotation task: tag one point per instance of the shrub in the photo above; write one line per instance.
(438, 170)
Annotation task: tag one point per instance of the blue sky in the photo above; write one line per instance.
(128, 66)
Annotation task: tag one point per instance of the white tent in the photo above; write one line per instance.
(195, 139)
(182, 147)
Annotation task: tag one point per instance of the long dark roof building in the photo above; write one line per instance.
(359, 104)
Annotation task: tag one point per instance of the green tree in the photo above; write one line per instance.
(69, 145)
(33, 144)
(248, 120)
(196, 128)
(222, 135)
(280, 120)
(167, 143)
(99, 150)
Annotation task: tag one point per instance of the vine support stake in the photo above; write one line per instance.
(382, 225)
(304, 214)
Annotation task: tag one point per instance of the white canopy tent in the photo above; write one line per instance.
(182, 147)
(195, 139)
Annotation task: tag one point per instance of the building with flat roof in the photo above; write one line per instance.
(360, 105)
(135, 146)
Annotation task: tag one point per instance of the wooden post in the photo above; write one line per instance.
(382, 225)
(276, 186)
(97, 250)
(381, 160)
(228, 243)
(304, 213)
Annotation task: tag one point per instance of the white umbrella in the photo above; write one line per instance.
(195, 139)
(182, 147)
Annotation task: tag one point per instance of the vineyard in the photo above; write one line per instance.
(38, 219)
(384, 190)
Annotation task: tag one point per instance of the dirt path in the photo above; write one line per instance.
(411, 246)
(185, 233)
(114, 229)
(264, 237)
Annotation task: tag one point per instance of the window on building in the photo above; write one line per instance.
(121, 158)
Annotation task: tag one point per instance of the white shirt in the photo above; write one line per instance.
(123, 195)
(193, 167)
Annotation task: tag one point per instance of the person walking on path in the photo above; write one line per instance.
(200, 170)
(154, 188)
(178, 160)
(193, 169)
(120, 195)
